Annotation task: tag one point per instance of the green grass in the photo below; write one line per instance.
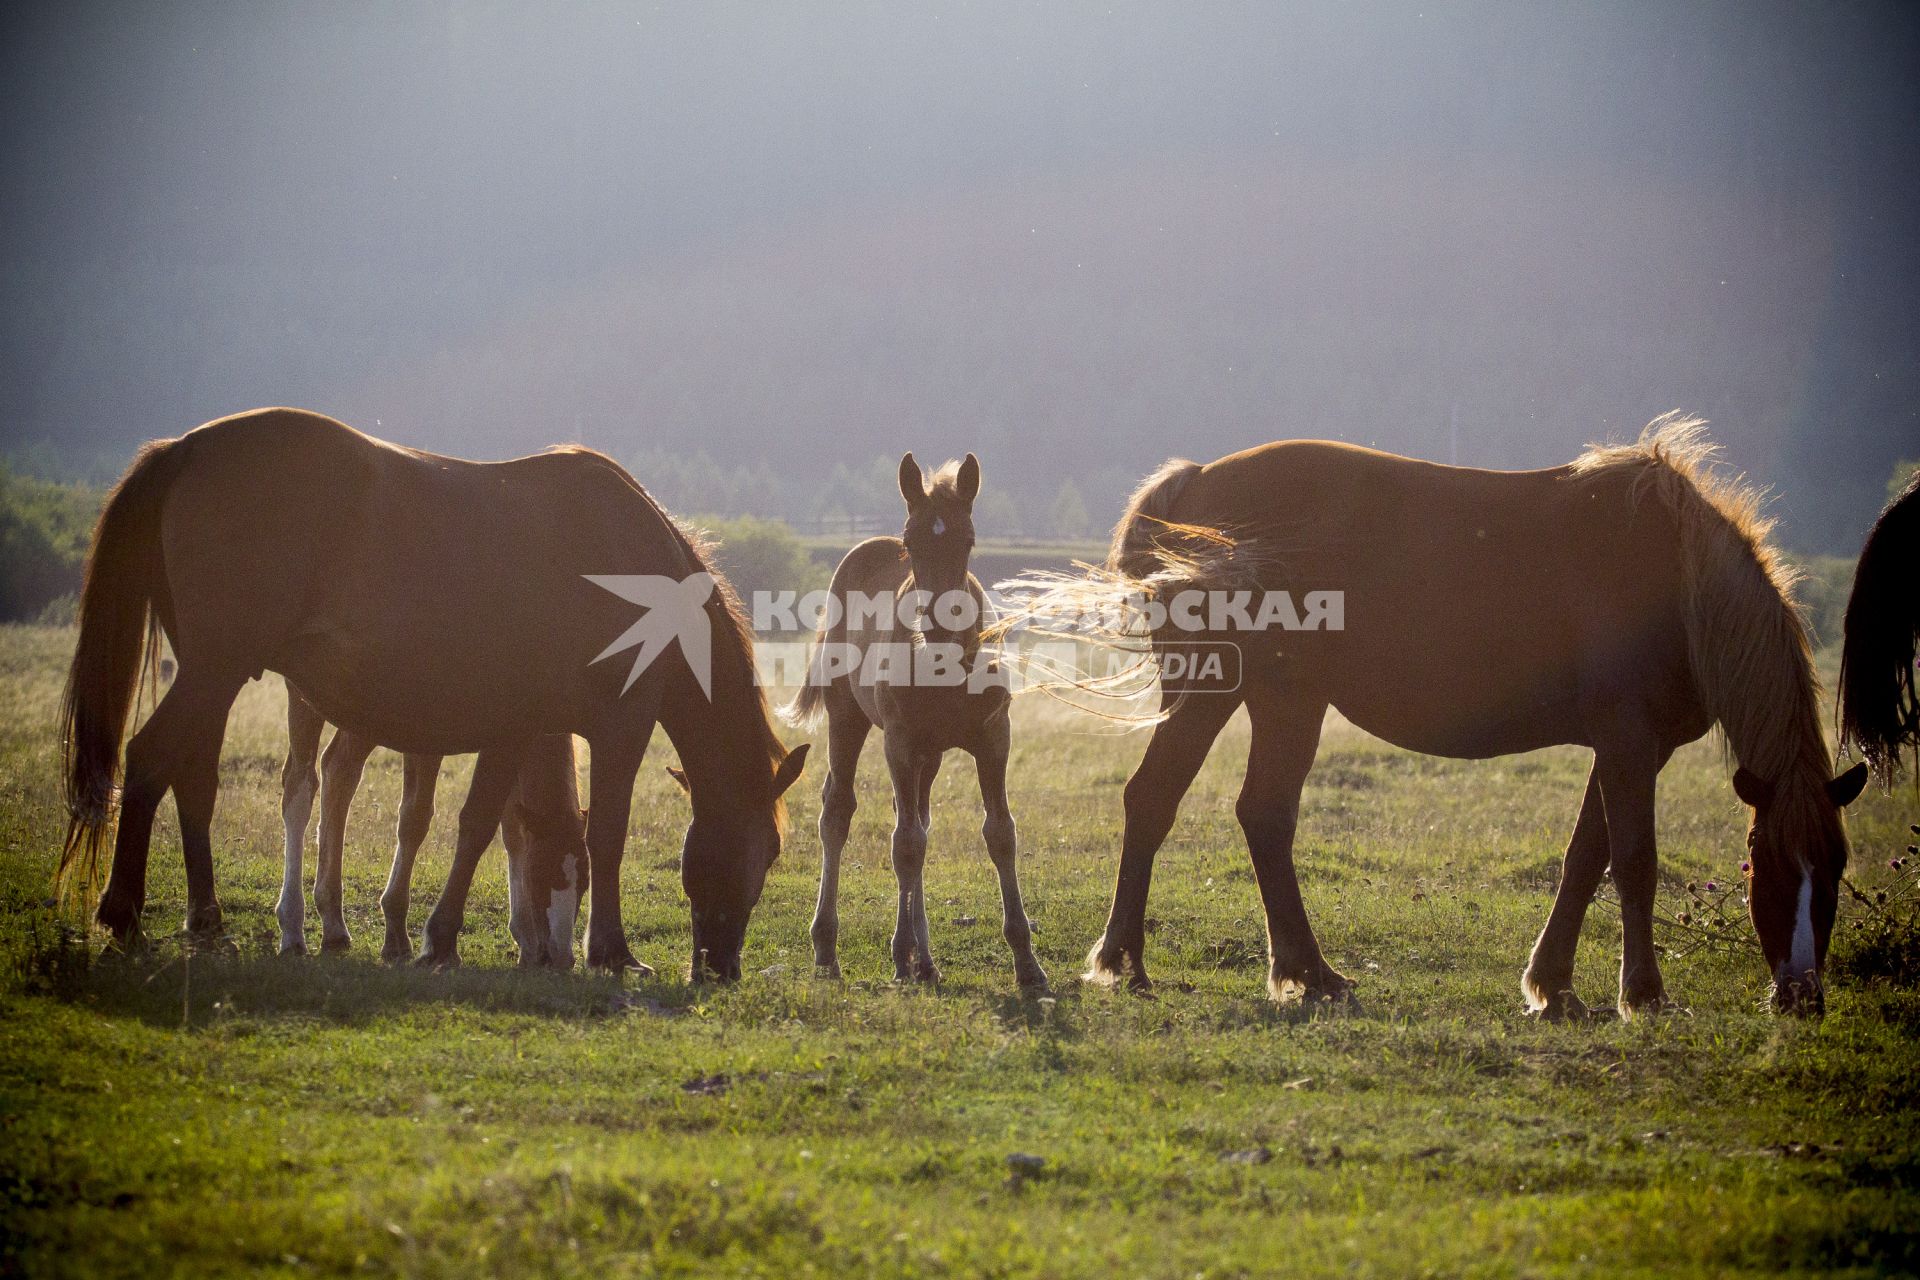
(183, 1113)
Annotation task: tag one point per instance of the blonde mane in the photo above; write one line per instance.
(1746, 640)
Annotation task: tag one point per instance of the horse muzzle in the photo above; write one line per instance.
(717, 941)
(1802, 994)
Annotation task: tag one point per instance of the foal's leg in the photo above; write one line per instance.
(340, 770)
(422, 776)
(493, 777)
(1286, 733)
(1548, 981)
(912, 950)
(990, 758)
(1627, 773)
(847, 729)
(1178, 749)
(299, 783)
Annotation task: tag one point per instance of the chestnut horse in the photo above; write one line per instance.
(543, 829)
(1626, 602)
(432, 604)
(1879, 699)
(869, 670)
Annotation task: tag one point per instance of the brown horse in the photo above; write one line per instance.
(1626, 602)
(435, 605)
(1879, 698)
(544, 831)
(868, 668)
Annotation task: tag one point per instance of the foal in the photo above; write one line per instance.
(929, 688)
(543, 828)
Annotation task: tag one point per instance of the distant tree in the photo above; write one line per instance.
(763, 555)
(1069, 518)
(44, 530)
(995, 515)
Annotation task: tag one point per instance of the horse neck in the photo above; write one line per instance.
(722, 741)
(1756, 677)
(968, 637)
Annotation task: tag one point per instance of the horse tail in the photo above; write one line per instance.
(804, 711)
(1879, 703)
(125, 578)
(1145, 525)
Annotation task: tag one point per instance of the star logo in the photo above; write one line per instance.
(676, 609)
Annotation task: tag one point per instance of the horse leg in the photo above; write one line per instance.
(912, 954)
(1627, 775)
(847, 729)
(523, 921)
(340, 770)
(616, 759)
(1548, 981)
(1174, 755)
(196, 782)
(151, 761)
(1286, 733)
(990, 758)
(493, 777)
(299, 783)
(421, 776)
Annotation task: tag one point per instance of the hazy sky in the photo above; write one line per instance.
(1075, 237)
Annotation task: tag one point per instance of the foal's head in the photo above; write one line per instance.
(939, 529)
(1796, 852)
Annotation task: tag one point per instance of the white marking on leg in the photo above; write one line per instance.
(291, 910)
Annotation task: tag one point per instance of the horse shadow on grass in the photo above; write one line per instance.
(174, 983)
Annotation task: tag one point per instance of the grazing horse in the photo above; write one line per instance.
(869, 670)
(543, 828)
(438, 606)
(1879, 701)
(1626, 602)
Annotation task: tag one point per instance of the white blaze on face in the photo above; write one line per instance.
(1802, 962)
(563, 910)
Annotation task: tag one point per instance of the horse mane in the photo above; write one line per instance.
(944, 482)
(1879, 692)
(1746, 640)
(728, 615)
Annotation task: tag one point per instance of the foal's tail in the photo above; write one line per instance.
(804, 711)
(1879, 704)
(119, 625)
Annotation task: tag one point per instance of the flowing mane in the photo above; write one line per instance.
(734, 670)
(1747, 642)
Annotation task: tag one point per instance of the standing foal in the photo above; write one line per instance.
(916, 670)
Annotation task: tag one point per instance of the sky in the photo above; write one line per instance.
(1076, 239)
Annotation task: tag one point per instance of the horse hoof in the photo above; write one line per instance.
(396, 952)
(1032, 980)
(827, 969)
(336, 946)
(205, 922)
(621, 962)
(293, 946)
(437, 959)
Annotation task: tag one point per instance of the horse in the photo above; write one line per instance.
(1625, 602)
(543, 828)
(438, 606)
(1879, 702)
(868, 670)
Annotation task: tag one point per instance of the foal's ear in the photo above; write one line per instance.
(680, 776)
(912, 487)
(1751, 787)
(967, 483)
(1845, 789)
(789, 771)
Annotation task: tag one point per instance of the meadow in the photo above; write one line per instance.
(204, 1111)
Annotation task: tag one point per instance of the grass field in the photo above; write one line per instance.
(230, 1110)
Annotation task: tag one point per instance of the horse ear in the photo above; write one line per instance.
(680, 776)
(1845, 789)
(967, 483)
(1752, 789)
(789, 771)
(912, 487)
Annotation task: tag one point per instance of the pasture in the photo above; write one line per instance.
(226, 1110)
